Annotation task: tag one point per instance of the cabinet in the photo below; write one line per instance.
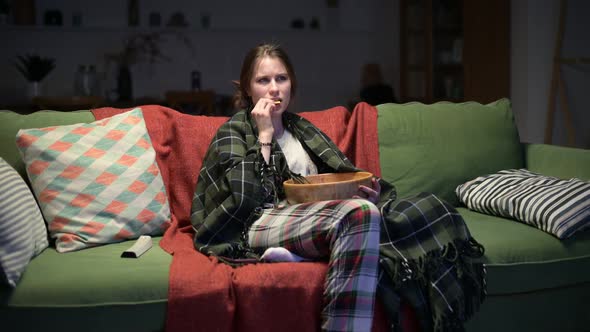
(454, 50)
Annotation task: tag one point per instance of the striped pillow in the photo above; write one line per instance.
(23, 234)
(556, 206)
(98, 182)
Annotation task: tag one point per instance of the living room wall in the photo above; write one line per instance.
(328, 60)
(328, 57)
(534, 25)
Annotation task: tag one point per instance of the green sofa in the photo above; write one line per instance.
(535, 282)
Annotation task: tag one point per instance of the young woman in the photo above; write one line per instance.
(239, 210)
(238, 207)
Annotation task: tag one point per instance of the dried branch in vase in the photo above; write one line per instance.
(34, 67)
(146, 48)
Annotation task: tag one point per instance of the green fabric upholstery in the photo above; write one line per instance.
(145, 317)
(520, 258)
(11, 122)
(84, 285)
(549, 310)
(424, 147)
(558, 161)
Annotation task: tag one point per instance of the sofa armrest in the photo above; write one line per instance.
(559, 161)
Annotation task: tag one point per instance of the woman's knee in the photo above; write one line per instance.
(364, 205)
(361, 222)
(363, 211)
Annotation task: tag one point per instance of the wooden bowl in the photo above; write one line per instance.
(328, 186)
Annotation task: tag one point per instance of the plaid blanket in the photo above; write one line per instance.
(235, 181)
(428, 257)
(426, 253)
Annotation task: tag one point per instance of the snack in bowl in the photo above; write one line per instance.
(328, 186)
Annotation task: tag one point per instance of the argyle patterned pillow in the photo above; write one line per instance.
(96, 182)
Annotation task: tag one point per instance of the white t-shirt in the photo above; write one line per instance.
(297, 158)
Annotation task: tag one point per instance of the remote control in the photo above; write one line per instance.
(143, 244)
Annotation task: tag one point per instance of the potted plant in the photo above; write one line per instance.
(34, 68)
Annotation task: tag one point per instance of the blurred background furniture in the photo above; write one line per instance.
(192, 102)
(68, 103)
(454, 50)
(558, 84)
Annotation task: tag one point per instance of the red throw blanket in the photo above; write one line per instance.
(206, 295)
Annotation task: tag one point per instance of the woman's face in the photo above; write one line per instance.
(271, 80)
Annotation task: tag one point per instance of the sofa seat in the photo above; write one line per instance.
(523, 258)
(530, 269)
(84, 287)
(93, 287)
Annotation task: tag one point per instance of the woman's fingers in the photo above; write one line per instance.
(368, 193)
(265, 105)
(376, 184)
(371, 194)
(377, 187)
(366, 190)
(262, 115)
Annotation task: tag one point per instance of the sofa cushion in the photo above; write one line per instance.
(96, 183)
(556, 206)
(521, 259)
(23, 234)
(134, 293)
(434, 148)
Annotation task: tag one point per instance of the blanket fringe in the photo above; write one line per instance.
(460, 255)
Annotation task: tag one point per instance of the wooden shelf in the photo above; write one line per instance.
(479, 30)
(448, 67)
(417, 67)
(574, 61)
(189, 29)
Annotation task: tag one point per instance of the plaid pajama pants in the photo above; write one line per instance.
(344, 231)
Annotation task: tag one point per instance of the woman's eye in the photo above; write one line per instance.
(282, 78)
(262, 80)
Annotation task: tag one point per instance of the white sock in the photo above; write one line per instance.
(280, 254)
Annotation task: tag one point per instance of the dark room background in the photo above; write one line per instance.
(328, 40)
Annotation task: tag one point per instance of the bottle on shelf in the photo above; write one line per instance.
(133, 13)
(86, 81)
(196, 80)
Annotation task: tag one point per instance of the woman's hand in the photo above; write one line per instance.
(262, 113)
(370, 194)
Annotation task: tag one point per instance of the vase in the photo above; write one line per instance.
(124, 84)
(34, 89)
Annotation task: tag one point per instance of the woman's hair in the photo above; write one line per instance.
(241, 98)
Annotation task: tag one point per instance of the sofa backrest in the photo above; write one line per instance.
(11, 122)
(558, 161)
(436, 147)
(335, 122)
(430, 148)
